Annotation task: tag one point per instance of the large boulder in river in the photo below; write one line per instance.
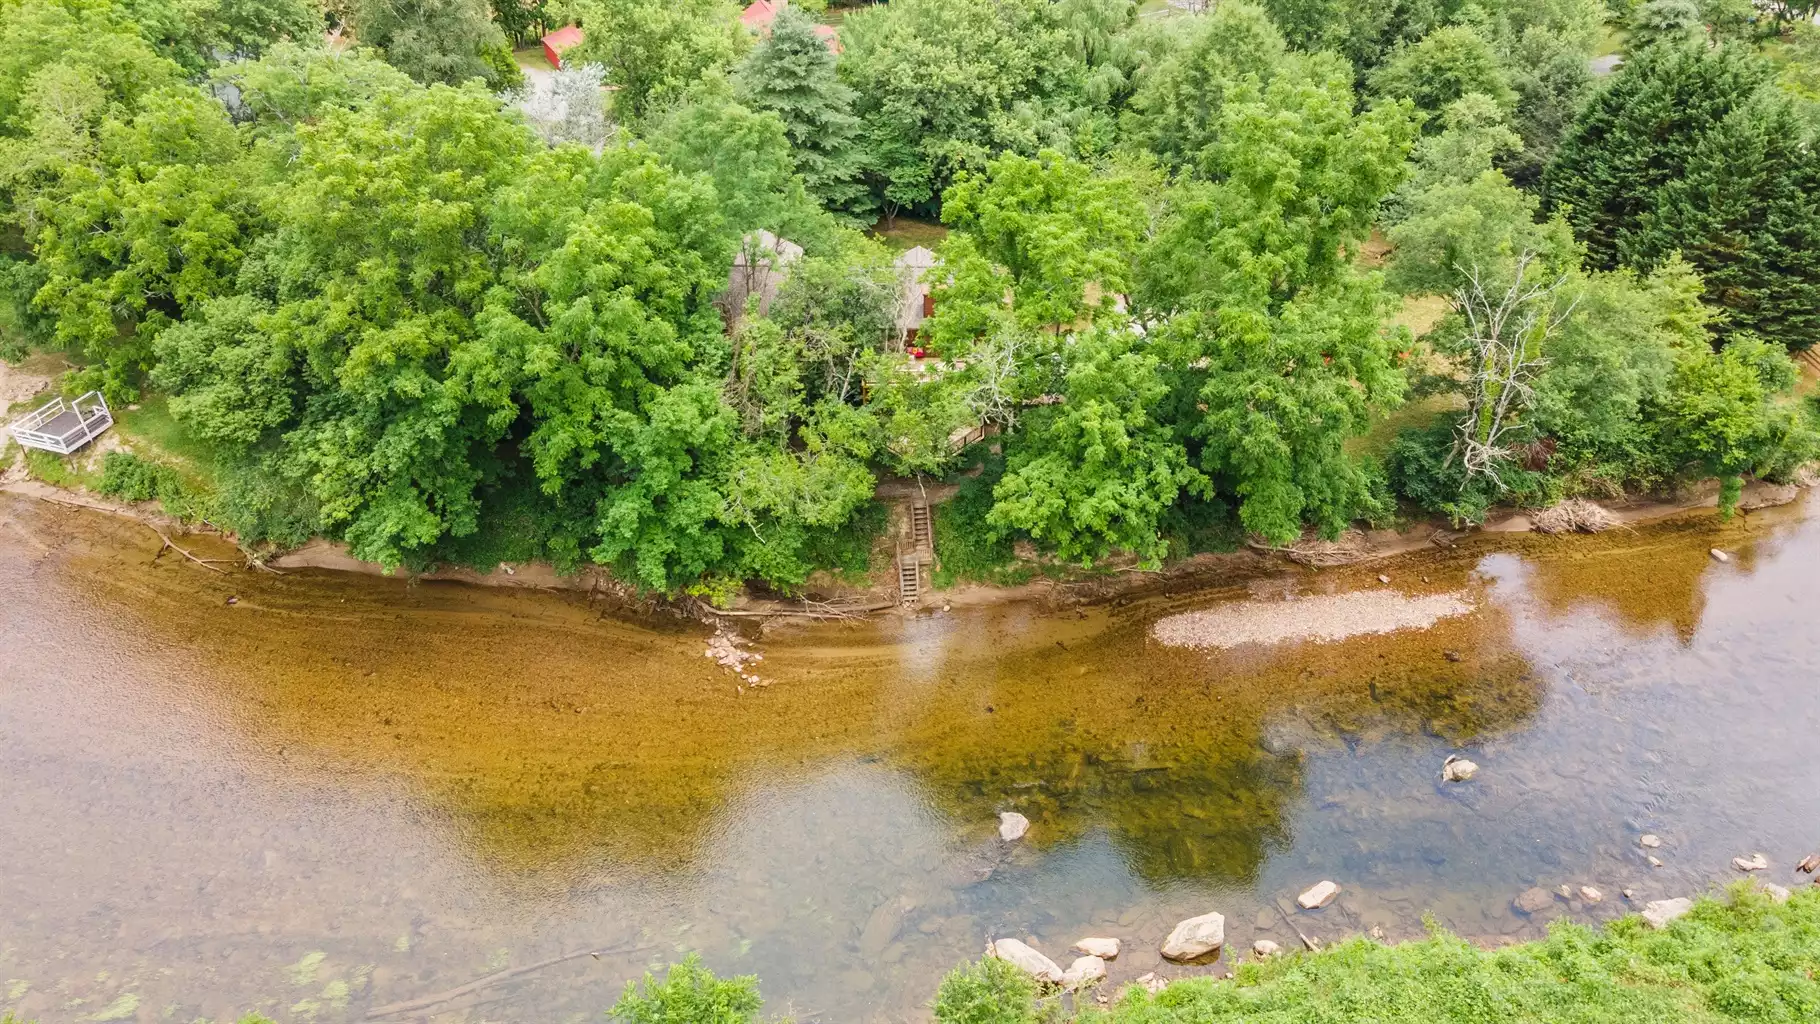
(1105, 949)
(1659, 912)
(1012, 826)
(1086, 970)
(1318, 895)
(1198, 938)
(1532, 901)
(1028, 960)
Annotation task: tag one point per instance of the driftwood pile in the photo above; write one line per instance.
(1573, 515)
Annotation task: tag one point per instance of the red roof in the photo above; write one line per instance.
(563, 38)
(760, 15)
(556, 42)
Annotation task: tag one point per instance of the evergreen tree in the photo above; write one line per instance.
(791, 74)
(1747, 215)
(1665, 22)
(1637, 136)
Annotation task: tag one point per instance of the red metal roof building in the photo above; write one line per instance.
(564, 38)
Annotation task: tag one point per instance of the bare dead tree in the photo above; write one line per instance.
(993, 397)
(1506, 329)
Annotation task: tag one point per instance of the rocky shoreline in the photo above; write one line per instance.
(1201, 941)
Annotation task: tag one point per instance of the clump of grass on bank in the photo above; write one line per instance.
(130, 478)
(1741, 959)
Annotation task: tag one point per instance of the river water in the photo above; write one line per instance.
(339, 794)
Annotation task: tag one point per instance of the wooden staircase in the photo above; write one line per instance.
(909, 578)
(922, 553)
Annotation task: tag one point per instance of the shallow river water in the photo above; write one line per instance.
(341, 797)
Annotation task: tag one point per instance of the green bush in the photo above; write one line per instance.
(689, 994)
(966, 547)
(1419, 469)
(990, 991)
(130, 478)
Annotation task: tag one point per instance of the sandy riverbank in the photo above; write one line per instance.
(1355, 548)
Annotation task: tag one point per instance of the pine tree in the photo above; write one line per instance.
(1746, 214)
(792, 74)
(1637, 136)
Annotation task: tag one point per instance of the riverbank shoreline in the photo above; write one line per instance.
(1357, 547)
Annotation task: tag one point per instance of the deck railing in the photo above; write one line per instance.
(64, 426)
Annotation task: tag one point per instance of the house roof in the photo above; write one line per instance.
(919, 258)
(759, 15)
(563, 38)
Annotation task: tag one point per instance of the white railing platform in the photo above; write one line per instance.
(64, 426)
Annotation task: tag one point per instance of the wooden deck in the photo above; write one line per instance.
(63, 426)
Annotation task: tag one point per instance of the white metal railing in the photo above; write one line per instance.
(64, 426)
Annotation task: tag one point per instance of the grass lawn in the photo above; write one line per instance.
(532, 58)
(907, 233)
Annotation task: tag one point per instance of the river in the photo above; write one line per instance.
(335, 793)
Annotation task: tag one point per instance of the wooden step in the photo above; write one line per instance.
(909, 580)
(920, 531)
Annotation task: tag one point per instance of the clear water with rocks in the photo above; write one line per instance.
(343, 798)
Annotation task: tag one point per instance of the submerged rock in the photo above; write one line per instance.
(1151, 983)
(1591, 895)
(1318, 895)
(1028, 960)
(1754, 862)
(1197, 938)
(882, 926)
(1105, 949)
(1264, 949)
(1658, 913)
(1533, 900)
(1649, 841)
(1012, 826)
(1086, 970)
(1654, 861)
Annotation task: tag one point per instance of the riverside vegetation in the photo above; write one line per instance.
(369, 298)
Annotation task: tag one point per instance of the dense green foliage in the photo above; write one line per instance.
(688, 994)
(1693, 150)
(1742, 959)
(389, 304)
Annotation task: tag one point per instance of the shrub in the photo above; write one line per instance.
(689, 994)
(991, 991)
(130, 478)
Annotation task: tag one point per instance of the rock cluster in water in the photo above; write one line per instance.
(725, 649)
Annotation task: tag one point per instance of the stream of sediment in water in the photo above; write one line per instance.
(341, 793)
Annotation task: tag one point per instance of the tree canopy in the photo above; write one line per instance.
(631, 316)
